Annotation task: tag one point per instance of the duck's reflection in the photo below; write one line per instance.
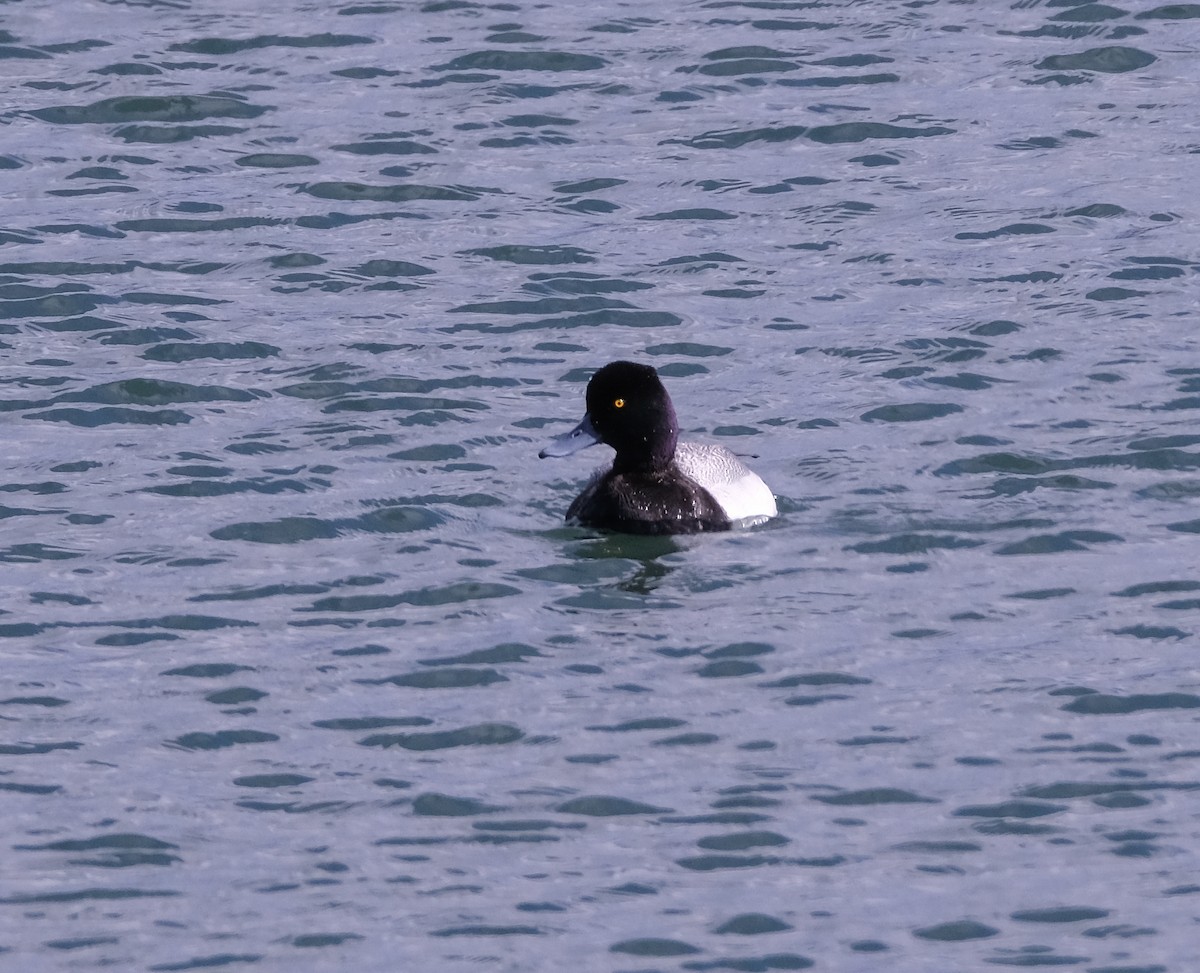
(645, 552)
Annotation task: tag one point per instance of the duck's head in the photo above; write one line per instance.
(628, 409)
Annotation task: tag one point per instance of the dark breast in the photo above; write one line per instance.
(648, 503)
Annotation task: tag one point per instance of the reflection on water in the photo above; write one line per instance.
(303, 668)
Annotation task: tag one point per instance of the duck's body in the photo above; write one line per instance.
(656, 484)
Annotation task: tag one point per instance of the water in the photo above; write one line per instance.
(302, 670)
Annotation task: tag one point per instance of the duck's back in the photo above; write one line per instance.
(737, 488)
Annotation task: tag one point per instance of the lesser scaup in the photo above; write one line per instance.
(656, 485)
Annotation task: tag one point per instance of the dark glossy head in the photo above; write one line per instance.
(631, 412)
(627, 408)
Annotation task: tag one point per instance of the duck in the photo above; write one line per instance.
(656, 484)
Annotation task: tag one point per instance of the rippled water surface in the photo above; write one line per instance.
(302, 670)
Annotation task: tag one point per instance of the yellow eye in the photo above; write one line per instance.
(619, 403)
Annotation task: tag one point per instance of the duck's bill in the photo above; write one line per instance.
(581, 437)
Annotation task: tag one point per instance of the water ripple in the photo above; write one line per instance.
(286, 313)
